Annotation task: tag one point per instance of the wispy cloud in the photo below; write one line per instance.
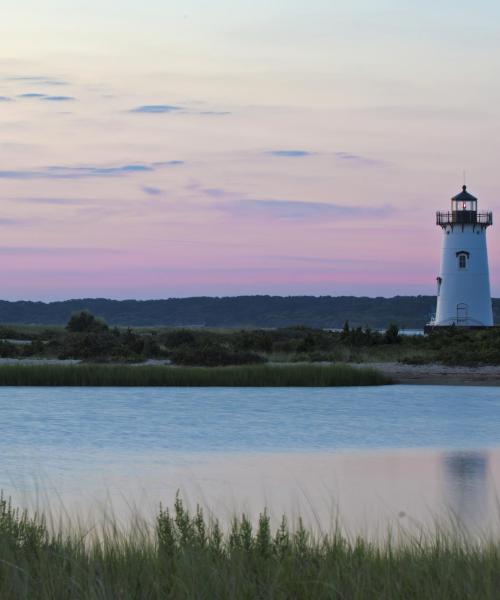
(162, 109)
(152, 191)
(356, 160)
(31, 95)
(53, 201)
(37, 79)
(423, 112)
(155, 109)
(46, 97)
(10, 222)
(216, 192)
(55, 250)
(290, 153)
(215, 113)
(168, 163)
(5, 99)
(57, 98)
(324, 260)
(83, 172)
(301, 210)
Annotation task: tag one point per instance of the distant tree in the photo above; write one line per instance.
(85, 322)
(345, 331)
(391, 335)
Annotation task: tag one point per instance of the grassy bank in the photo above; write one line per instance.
(242, 376)
(188, 556)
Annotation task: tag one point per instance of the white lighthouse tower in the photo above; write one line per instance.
(463, 291)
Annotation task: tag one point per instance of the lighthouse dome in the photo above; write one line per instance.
(464, 196)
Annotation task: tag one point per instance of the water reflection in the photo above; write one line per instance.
(371, 455)
(466, 486)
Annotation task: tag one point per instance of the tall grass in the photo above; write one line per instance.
(242, 376)
(187, 556)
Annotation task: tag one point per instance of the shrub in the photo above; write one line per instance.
(8, 350)
(84, 321)
(213, 355)
(179, 337)
(391, 335)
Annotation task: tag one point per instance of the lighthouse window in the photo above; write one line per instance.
(462, 261)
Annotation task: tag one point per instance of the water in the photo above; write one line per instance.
(379, 453)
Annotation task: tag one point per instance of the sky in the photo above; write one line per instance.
(156, 149)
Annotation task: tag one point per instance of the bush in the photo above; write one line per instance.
(179, 337)
(391, 335)
(213, 355)
(84, 321)
(8, 350)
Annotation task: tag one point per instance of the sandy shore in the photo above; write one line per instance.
(435, 374)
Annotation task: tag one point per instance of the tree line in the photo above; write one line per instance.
(239, 311)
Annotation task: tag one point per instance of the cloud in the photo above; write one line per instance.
(83, 172)
(57, 98)
(217, 113)
(6, 222)
(323, 260)
(32, 95)
(290, 153)
(300, 210)
(54, 250)
(168, 163)
(356, 160)
(155, 109)
(53, 201)
(5, 99)
(216, 193)
(151, 191)
(45, 97)
(37, 79)
(161, 109)
(422, 112)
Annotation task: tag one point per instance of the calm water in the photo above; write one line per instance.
(379, 452)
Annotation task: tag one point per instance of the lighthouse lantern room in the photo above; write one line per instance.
(463, 285)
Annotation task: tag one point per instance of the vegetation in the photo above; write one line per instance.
(89, 339)
(188, 556)
(456, 346)
(137, 376)
(240, 311)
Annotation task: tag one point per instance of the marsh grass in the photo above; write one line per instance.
(241, 376)
(188, 556)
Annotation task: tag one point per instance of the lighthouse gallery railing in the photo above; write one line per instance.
(464, 217)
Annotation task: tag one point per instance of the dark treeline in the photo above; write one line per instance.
(239, 311)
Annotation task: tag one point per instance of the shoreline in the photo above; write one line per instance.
(397, 373)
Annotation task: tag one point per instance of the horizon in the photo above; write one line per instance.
(176, 151)
(220, 297)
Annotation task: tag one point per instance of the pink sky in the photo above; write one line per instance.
(175, 151)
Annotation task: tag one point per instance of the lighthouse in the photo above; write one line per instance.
(463, 285)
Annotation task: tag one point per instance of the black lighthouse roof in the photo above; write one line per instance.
(464, 212)
(464, 196)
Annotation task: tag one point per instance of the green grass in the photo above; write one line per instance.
(242, 376)
(188, 556)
